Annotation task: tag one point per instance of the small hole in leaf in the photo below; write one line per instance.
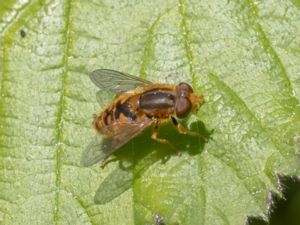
(22, 33)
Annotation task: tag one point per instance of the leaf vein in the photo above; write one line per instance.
(61, 106)
(16, 17)
(269, 49)
(187, 47)
(235, 172)
(238, 99)
(149, 44)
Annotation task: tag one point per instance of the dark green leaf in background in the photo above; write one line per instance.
(242, 55)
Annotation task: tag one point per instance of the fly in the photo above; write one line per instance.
(138, 104)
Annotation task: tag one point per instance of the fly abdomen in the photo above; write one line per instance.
(107, 116)
(156, 102)
(124, 109)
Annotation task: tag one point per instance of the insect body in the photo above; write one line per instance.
(137, 105)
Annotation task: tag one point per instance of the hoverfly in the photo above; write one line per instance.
(138, 104)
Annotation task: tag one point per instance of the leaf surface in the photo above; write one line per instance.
(242, 55)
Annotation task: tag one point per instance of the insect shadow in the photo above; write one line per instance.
(139, 154)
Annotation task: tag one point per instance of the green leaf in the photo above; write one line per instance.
(242, 55)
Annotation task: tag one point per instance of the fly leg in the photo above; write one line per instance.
(181, 129)
(107, 160)
(163, 141)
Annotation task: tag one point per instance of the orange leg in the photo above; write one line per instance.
(181, 129)
(163, 141)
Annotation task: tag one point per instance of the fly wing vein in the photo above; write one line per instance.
(114, 81)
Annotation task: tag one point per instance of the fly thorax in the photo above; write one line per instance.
(157, 101)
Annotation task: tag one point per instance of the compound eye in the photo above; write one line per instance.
(184, 89)
(183, 107)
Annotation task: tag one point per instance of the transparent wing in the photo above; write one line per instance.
(114, 81)
(101, 147)
(104, 98)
